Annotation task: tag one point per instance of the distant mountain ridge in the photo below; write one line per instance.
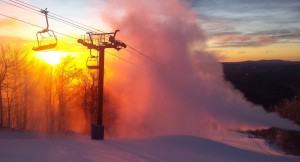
(264, 82)
(266, 61)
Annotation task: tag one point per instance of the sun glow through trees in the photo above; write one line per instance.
(51, 57)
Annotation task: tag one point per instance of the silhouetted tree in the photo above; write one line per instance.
(49, 99)
(290, 108)
(66, 73)
(87, 92)
(16, 83)
(87, 97)
(10, 61)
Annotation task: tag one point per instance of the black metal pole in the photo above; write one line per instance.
(100, 86)
(98, 129)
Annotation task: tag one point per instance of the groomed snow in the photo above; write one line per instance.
(27, 147)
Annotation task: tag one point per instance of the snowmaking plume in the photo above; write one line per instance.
(183, 92)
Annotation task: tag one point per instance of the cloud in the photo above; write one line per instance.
(246, 5)
(242, 40)
(260, 38)
(266, 22)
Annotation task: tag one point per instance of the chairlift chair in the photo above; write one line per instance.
(92, 62)
(45, 34)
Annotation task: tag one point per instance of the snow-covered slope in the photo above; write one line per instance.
(26, 147)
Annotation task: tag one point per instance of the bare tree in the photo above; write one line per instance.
(63, 85)
(16, 85)
(50, 110)
(4, 66)
(87, 97)
(66, 73)
(87, 92)
(6, 62)
(11, 61)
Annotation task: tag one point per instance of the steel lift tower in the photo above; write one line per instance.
(99, 42)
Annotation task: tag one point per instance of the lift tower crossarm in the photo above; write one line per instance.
(91, 41)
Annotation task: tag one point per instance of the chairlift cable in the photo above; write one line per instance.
(22, 7)
(63, 35)
(63, 19)
(27, 4)
(120, 58)
(37, 10)
(21, 20)
(50, 16)
(68, 23)
(85, 26)
(36, 25)
(59, 18)
(140, 53)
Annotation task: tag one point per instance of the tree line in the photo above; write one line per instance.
(50, 99)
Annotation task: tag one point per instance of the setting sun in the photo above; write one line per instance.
(51, 57)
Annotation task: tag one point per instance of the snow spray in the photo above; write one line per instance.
(182, 91)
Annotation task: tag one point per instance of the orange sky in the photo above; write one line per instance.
(230, 39)
(286, 51)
